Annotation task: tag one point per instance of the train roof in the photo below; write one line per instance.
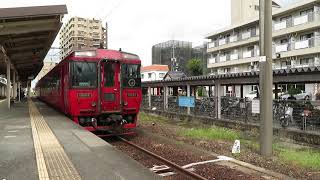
(97, 54)
(103, 54)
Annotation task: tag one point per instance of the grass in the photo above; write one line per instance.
(212, 133)
(151, 118)
(306, 157)
(303, 157)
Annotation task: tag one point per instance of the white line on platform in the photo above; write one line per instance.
(10, 136)
(13, 131)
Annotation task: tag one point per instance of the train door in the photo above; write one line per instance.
(65, 87)
(110, 87)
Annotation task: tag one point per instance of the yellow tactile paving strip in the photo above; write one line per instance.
(52, 161)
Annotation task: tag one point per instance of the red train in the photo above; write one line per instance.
(99, 89)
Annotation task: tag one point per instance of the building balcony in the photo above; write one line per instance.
(304, 44)
(234, 56)
(247, 54)
(211, 45)
(303, 19)
(233, 38)
(212, 60)
(296, 24)
(281, 48)
(222, 58)
(280, 25)
(233, 63)
(234, 44)
(246, 35)
(222, 42)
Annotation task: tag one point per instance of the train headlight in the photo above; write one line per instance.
(125, 103)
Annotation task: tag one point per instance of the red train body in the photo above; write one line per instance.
(99, 89)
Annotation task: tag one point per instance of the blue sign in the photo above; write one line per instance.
(185, 101)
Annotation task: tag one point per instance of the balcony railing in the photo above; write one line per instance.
(234, 56)
(212, 60)
(280, 25)
(304, 44)
(222, 58)
(300, 20)
(222, 42)
(211, 45)
(247, 54)
(246, 35)
(233, 38)
(281, 48)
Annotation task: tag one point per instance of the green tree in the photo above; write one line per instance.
(194, 67)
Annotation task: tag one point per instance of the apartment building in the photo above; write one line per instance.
(80, 33)
(242, 10)
(296, 42)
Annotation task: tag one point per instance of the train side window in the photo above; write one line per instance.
(84, 74)
(109, 75)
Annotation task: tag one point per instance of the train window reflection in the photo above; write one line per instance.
(131, 75)
(84, 74)
(131, 70)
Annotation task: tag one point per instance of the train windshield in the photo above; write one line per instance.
(84, 74)
(131, 75)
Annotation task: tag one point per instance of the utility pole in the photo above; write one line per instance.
(173, 59)
(266, 78)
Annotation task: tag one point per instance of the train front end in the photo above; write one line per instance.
(118, 95)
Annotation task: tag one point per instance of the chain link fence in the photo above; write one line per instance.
(293, 114)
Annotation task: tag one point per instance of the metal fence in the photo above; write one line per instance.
(294, 114)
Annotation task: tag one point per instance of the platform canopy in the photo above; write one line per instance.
(26, 35)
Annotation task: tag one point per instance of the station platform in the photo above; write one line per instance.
(37, 142)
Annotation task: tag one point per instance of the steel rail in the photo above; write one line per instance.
(173, 165)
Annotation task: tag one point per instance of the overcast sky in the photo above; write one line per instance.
(136, 25)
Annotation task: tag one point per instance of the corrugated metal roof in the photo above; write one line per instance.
(277, 72)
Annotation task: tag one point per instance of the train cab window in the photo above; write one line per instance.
(109, 75)
(84, 74)
(131, 75)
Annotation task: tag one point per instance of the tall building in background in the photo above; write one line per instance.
(296, 43)
(173, 53)
(242, 10)
(81, 33)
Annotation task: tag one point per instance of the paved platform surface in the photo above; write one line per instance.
(50, 142)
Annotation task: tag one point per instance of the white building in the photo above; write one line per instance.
(296, 43)
(242, 10)
(81, 33)
(153, 72)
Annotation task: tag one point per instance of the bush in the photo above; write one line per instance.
(293, 91)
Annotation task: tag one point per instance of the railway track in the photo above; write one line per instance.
(173, 165)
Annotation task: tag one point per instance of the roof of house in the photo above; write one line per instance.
(155, 67)
(174, 75)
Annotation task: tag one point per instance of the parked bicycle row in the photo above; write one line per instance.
(298, 114)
